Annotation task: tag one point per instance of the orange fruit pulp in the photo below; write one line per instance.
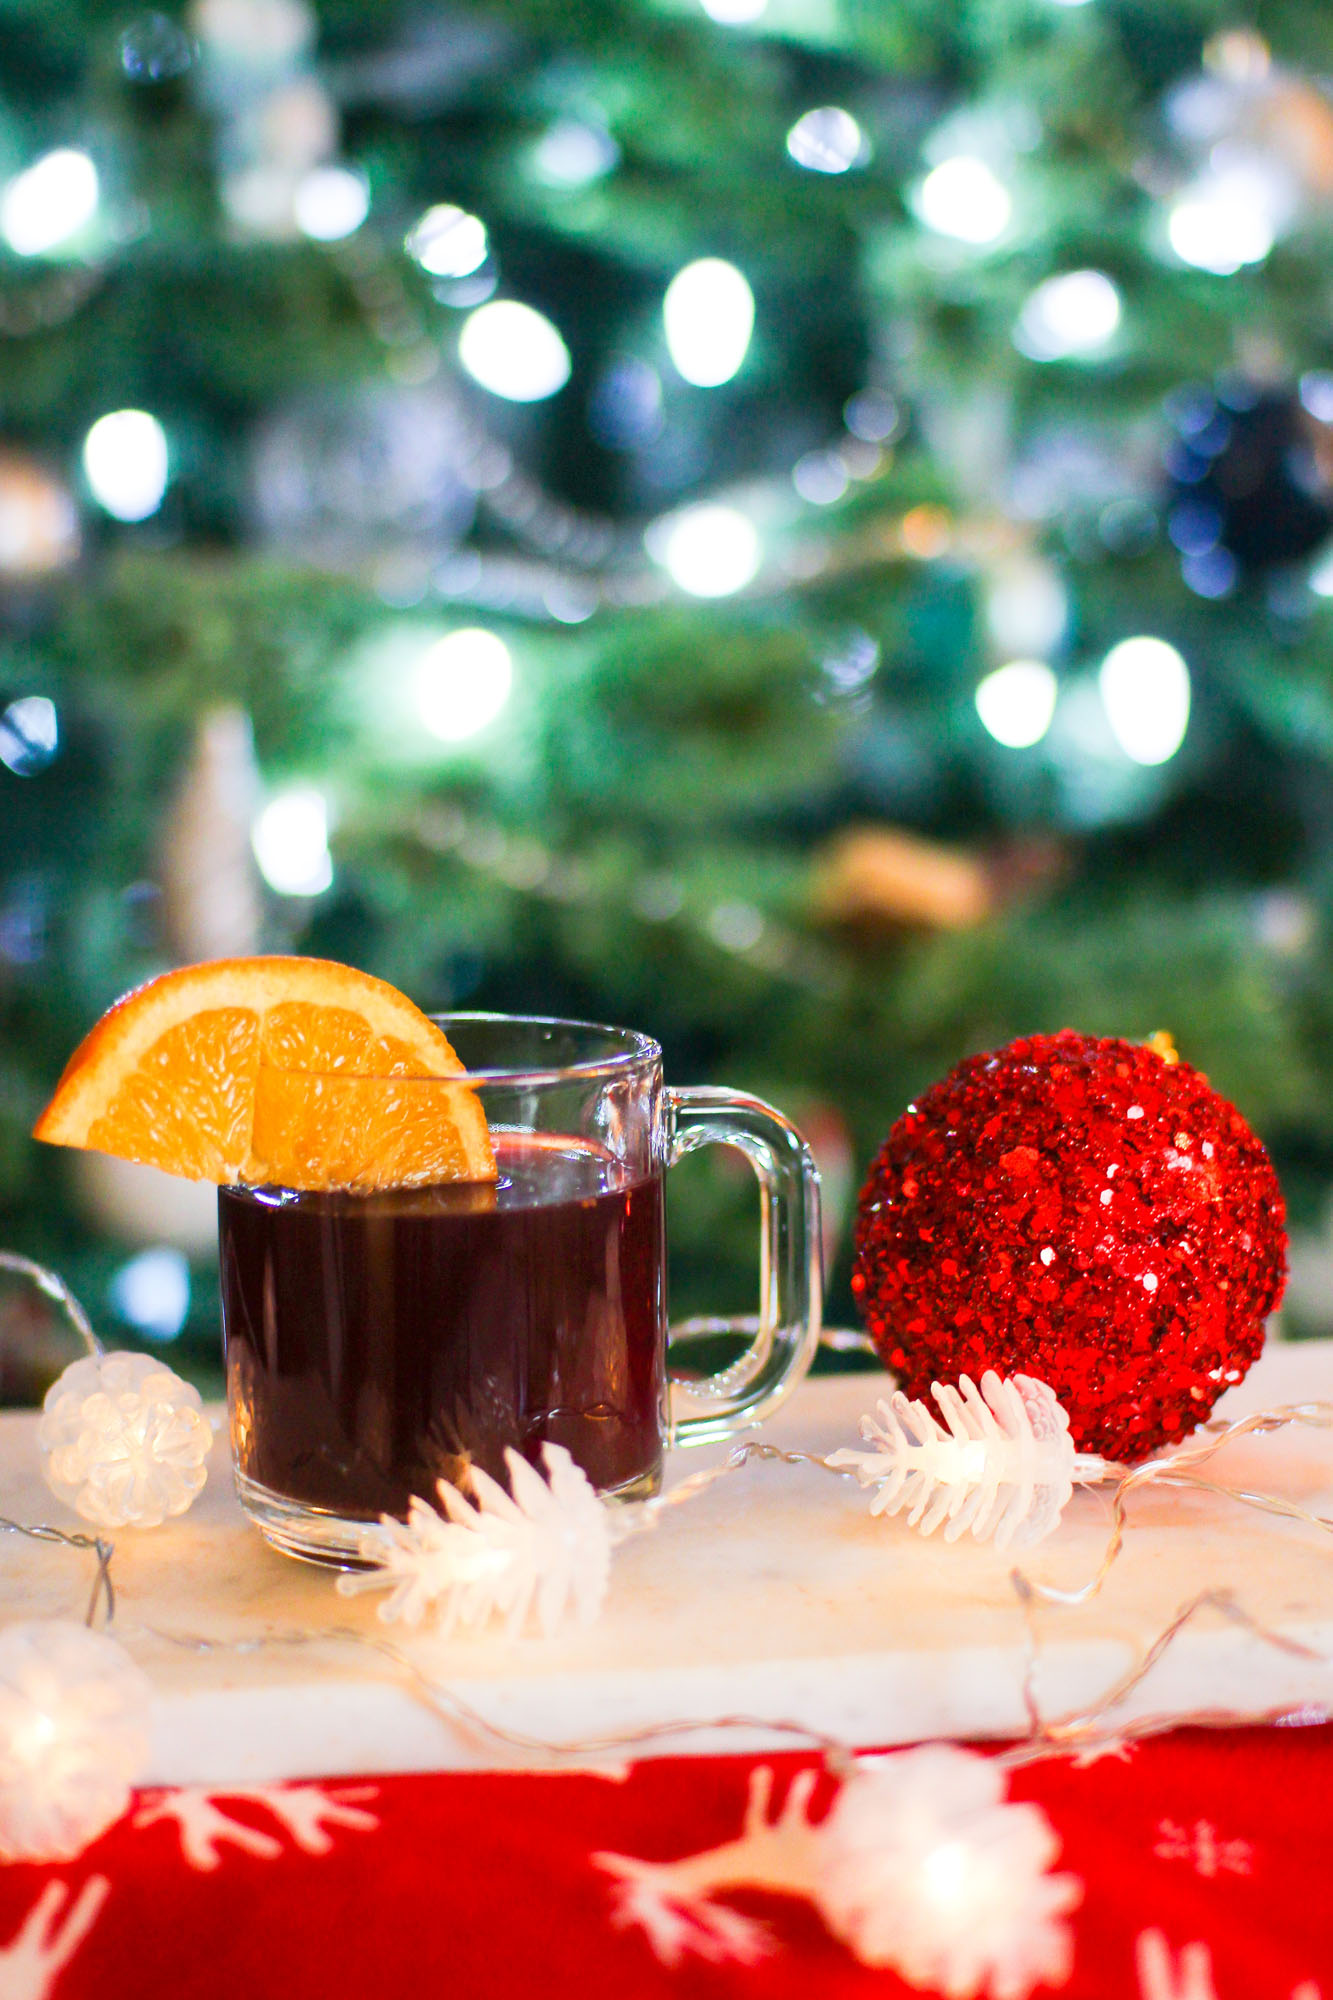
(285, 1072)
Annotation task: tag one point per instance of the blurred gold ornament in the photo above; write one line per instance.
(39, 523)
(1241, 55)
(1256, 106)
(875, 875)
(1294, 120)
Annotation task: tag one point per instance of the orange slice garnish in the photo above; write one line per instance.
(286, 1072)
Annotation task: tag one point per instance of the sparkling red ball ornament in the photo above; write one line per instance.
(1085, 1210)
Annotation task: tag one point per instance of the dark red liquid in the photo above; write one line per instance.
(377, 1343)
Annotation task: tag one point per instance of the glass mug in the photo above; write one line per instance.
(376, 1343)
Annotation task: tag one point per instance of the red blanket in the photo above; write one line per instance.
(453, 1885)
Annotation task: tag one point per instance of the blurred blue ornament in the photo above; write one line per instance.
(1211, 572)
(154, 48)
(23, 921)
(625, 407)
(1195, 525)
(1251, 472)
(847, 669)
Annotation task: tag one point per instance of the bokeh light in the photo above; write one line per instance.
(126, 465)
(1069, 316)
(290, 839)
(463, 682)
(29, 735)
(513, 351)
(447, 242)
(710, 550)
(1145, 690)
(965, 198)
(1228, 219)
(572, 154)
(872, 415)
(331, 202)
(827, 140)
(709, 316)
(52, 201)
(152, 1292)
(1027, 607)
(734, 13)
(1321, 574)
(1016, 703)
(820, 477)
(736, 926)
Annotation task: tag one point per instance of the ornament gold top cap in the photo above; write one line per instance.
(1162, 1045)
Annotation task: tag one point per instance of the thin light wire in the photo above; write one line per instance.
(53, 1286)
(647, 1515)
(1082, 1736)
(102, 1549)
(445, 1702)
(1085, 1732)
(1178, 1470)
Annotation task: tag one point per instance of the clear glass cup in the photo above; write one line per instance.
(376, 1343)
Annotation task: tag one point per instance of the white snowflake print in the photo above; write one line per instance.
(921, 1865)
(1165, 1976)
(305, 1812)
(1187, 1975)
(1200, 1846)
(674, 1902)
(48, 1938)
(1115, 1749)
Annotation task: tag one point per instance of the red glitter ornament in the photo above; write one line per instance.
(1085, 1210)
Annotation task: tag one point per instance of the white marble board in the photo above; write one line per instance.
(776, 1595)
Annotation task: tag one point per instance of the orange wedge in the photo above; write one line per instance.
(286, 1072)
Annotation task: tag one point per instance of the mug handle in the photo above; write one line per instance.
(786, 1333)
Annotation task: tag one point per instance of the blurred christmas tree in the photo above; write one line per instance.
(799, 526)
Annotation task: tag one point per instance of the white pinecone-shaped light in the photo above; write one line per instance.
(1002, 1464)
(545, 1551)
(124, 1441)
(73, 1737)
(927, 1869)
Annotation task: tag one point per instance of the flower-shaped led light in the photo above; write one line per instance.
(73, 1737)
(123, 1440)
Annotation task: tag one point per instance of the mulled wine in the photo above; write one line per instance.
(377, 1343)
